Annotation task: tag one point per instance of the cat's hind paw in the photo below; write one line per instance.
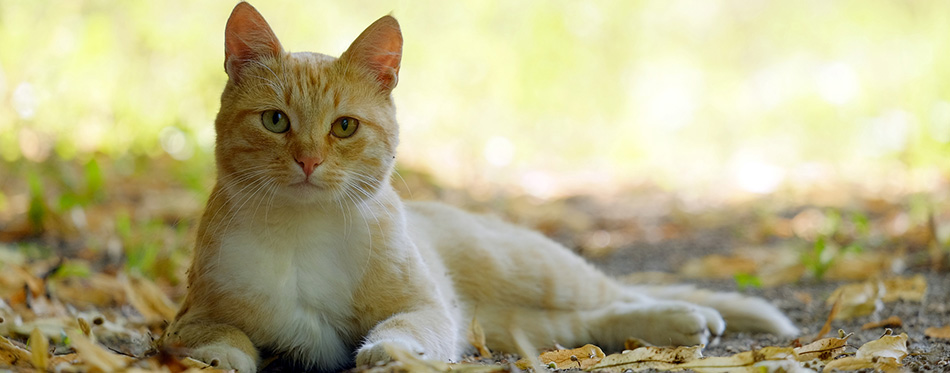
(223, 356)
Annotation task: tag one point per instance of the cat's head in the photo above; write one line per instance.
(305, 127)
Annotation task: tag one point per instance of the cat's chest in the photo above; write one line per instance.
(302, 278)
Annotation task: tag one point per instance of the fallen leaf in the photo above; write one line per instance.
(835, 308)
(939, 333)
(718, 266)
(13, 355)
(39, 348)
(890, 322)
(887, 346)
(859, 299)
(149, 300)
(883, 354)
(905, 288)
(661, 358)
(849, 363)
(579, 358)
(634, 343)
(824, 350)
(94, 355)
(743, 361)
(476, 336)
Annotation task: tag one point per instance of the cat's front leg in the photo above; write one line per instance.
(219, 345)
(428, 334)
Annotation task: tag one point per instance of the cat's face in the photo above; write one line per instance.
(306, 128)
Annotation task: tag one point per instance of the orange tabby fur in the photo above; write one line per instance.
(305, 249)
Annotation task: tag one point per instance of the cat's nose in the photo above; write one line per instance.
(308, 163)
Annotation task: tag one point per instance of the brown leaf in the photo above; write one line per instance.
(859, 299)
(643, 358)
(718, 266)
(824, 349)
(939, 333)
(905, 288)
(890, 322)
(635, 343)
(579, 358)
(98, 358)
(887, 346)
(835, 308)
(39, 347)
(884, 354)
(853, 363)
(476, 336)
(13, 355)
(741, 361)
(149, 300)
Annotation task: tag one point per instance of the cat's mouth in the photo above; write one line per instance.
(306, 185)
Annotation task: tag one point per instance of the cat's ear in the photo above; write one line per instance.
(247, 37)
(379, 50)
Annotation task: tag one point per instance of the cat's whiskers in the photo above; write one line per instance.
(403, 182)
(258, 185)
(244, 176)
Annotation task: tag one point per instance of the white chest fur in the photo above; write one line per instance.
(301, 274)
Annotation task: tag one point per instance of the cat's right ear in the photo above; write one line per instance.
(247, 38)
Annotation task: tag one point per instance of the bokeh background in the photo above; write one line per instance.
(538, 95)
(106, 107)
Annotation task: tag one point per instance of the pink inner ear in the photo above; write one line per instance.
(379, 48)
(247, 36)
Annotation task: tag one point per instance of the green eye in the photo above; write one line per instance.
(275, 121)
(344, 127)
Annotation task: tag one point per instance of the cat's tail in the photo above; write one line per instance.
(741, 312)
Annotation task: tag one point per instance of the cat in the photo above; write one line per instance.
(306, 251)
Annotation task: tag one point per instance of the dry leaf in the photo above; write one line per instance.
(581, 357)
(643, 358)
(634, 343)
(95, 356)
(149, 300)
(824, 350)
(887, 346)
(853, 363)
(884, 354)
(718, 266)
(13, 355)
(857, 299)
(39, 348)
(743, 361)
(476, 336)
(890, 322)
(905, 288)
(939, 333)
(835, 308)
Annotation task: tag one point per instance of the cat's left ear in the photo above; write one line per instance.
(379, 50)
(247, 37)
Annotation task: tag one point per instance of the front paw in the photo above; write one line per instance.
(223, 356)
(386, 351)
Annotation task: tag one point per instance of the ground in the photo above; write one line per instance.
(96, 276)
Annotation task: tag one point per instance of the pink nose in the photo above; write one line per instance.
(308, 163)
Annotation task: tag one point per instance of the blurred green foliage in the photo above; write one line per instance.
(529, 93)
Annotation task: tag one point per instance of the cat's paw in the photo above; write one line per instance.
(665, 323)
(223, 356)
(684, 324)
(383, 351)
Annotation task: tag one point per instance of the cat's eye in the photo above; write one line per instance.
(275, 121)
(344, 127)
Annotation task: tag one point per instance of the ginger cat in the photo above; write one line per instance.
(306, 251)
